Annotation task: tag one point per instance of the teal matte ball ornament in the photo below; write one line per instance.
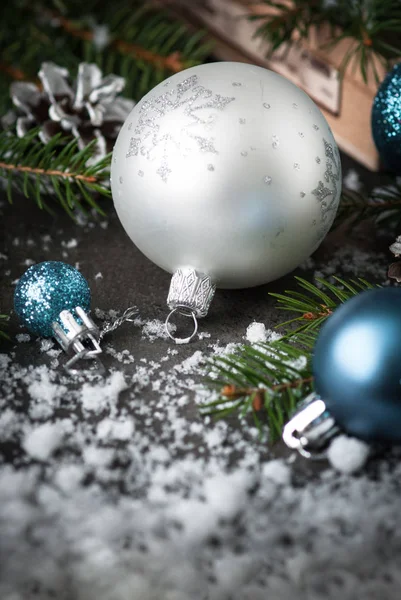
(357, 365)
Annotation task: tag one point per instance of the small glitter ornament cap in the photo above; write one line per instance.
(52, 300)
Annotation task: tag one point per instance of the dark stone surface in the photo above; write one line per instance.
(128, 278)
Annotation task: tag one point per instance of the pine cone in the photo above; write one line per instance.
(395, 248)
(86, 110)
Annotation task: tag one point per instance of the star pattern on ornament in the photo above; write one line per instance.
(163, 171)
(133, 147)
(199, 105)
(321, 192)
(205, 144)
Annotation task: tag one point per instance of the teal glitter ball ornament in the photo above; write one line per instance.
(386, 120)
(47, 289)
(357, 366)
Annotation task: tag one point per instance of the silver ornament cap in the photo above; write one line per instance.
(79, 336)
(191, 290)
(191, 294)
(311, 428)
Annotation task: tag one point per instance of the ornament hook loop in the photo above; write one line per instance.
(127, 317)
(310, 429)
(186, 313)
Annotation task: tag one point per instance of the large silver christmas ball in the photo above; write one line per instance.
(230, 169)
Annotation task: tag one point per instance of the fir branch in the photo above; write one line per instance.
(48, 172)
(172, 62)
(55, 169)
(145, 45)
(3, 324)
(374, 26)
(15, 73)
(382, 205)
(320, 302)
(265, 380)
(268, 380)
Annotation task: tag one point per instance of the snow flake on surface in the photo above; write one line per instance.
(352, 181)
(23, 338)
(69, 244)
(41, 442)
(256, 332)
(347, 454)
(95, 398)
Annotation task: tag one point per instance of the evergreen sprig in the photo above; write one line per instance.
(374, 26)
(143, 43)
(3, 324)
(55, 170)
(268, 380)
(319, 303)
(382, 205)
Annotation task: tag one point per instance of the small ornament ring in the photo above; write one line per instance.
(189, 314)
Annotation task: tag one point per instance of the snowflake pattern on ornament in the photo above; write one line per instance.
(151, 142)
(328, 196)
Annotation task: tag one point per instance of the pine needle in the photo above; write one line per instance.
(3, 325)
(268, 380)
(374, 28)
(52, 170)
(320, 302)
(382, 205)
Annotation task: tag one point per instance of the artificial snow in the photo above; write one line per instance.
(101, 36)
(347, 455)
(277, 471)
(95, 398)
(41, 442)
(118, 488)
(154, 329)
(202, 510)
(28, 262)
(23, 338)
(69, 244)
(46, 344)
(352, 181)
(256, 332)
(116, 430)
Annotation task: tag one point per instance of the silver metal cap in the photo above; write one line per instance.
(311, 428)
(78, 335)
(191, 290)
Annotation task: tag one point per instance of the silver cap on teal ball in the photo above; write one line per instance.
(357, 374)
(52, 299)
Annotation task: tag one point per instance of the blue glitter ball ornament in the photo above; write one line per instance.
(357, 365)
(45, 290)
(386, 120)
